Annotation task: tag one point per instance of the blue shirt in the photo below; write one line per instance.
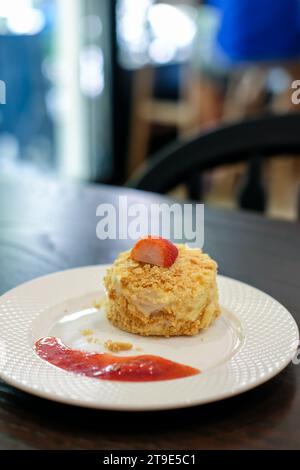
(259, 30)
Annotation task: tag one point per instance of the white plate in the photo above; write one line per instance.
(253, 340)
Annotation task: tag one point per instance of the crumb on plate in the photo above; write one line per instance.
(87, 332)
(98, 303)
(94, 340)
(117, 346)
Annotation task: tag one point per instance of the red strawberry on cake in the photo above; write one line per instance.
(156, 251)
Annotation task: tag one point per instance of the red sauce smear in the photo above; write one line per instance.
(144, 368)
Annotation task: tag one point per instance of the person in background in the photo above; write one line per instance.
(247, 56)
(243, 37)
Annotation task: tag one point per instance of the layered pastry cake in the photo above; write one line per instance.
(162, 289)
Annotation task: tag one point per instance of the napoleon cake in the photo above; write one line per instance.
(161, 289)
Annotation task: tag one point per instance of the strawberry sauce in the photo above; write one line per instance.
(144, 368)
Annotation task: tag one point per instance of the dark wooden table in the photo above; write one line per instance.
(47, 226)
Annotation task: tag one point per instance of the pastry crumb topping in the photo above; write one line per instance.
(180, 280)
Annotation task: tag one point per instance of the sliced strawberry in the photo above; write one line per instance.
(155, 250)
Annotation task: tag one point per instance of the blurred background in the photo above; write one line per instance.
(94, 88)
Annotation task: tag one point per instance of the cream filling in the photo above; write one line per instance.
(147, 308)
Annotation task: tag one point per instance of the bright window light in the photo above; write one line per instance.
(92, 71)
(21, 17)
(29, 22)
(171, 24)
(161, 52)
(132, 32)
(158, 33)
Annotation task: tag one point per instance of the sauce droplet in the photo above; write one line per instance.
(144, 368)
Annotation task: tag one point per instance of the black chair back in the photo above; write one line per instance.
(239, 142)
